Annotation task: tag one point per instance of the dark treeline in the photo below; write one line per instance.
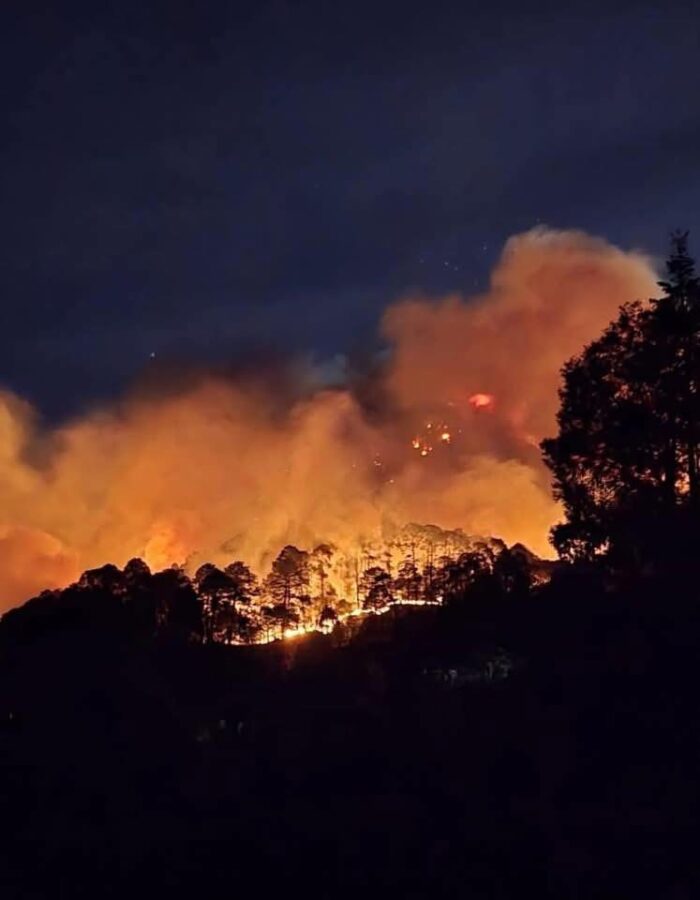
(231, 605)
(534, 733)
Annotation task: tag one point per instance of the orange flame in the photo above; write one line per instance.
(481, 401)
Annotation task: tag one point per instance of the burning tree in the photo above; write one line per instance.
(327, 618)
(288, 581)
(287, 586)
(320, 563)
(376, 586)
(408, 583)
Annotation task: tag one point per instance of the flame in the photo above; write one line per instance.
(236, 467)
(481, 401)
(167, 545)
(359, 612)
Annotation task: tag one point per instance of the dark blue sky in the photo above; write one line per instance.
(197, 179)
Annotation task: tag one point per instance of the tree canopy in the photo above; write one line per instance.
(625, 460)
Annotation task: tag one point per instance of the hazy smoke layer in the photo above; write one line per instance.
(228, 468)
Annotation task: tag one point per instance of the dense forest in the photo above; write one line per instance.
(502, 727)
(303, 591)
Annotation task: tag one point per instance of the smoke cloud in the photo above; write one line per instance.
(237, 467)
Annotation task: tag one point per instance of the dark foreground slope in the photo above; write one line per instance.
(544, 746)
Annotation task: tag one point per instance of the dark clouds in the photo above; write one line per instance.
(200, 178)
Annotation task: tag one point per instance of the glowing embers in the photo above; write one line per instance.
(434, 433)
(421, 446)
(481, 401)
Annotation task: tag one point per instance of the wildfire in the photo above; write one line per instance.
(421, 447)
(213, 465)
(481, 401)
(358, 612)
(290, 633)
(433, 432)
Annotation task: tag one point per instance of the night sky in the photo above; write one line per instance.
(197, 180)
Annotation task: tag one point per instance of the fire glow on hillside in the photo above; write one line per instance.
(237, 468)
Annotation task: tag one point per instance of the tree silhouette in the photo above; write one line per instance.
(280, 617)
(107, 578)
(288, 581)
(245, 583)
(179, 609)
(140, 601)
(137, 573)
(217, 592)
(322, 591)
(408, 583)
(454, 577)
(511, 569)
(625, 461)
(327, 618)
(236, 617)
(376, 587)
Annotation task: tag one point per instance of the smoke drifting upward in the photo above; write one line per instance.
(225, 469)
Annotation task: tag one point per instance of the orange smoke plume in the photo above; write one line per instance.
(230, 469)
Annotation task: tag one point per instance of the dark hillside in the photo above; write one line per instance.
(546, 743)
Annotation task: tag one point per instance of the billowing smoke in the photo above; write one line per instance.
(446, 432)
